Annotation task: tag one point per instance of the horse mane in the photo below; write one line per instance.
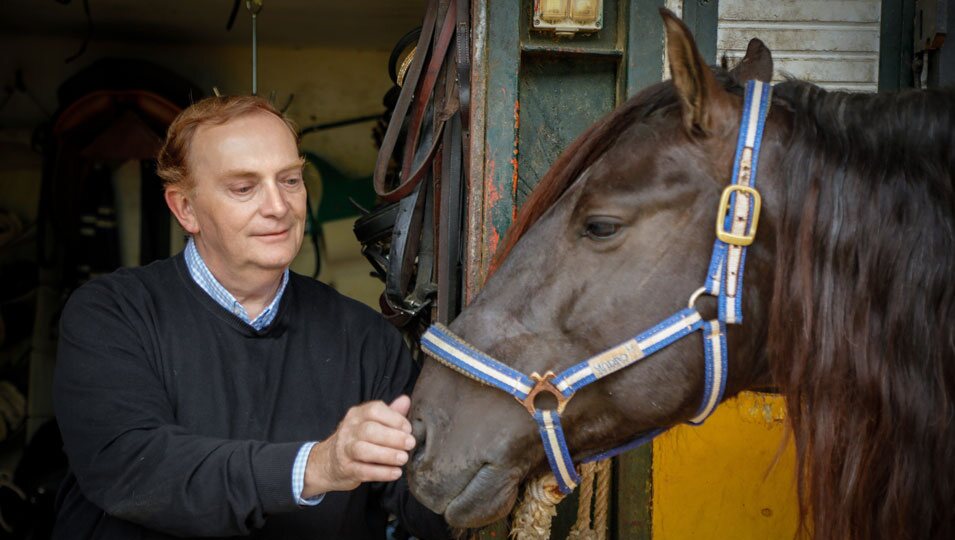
(862, 323)
(577, 157)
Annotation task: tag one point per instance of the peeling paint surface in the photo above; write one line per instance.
(492, 198)
(474, 238)
(514, 163)
(500, 133)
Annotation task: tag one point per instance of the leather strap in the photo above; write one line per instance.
(454, 173)
(373, 230)
(410, 174)
(406, 239)
(424, 289)
(463, 61)
(449, 224)
(423, 97)
(408, 88)
(404, 243)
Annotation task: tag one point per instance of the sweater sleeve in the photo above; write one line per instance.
(396, 376)
(128, 454)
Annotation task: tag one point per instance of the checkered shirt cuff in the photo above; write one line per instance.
(298, 477)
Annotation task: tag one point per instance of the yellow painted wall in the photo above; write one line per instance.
(729, 478)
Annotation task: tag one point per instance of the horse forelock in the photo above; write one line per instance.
(862, 323)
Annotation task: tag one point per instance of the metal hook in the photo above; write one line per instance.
(254, 7)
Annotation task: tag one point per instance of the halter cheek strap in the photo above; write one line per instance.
(736, 224)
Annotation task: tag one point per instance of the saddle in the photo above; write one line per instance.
(413, 240)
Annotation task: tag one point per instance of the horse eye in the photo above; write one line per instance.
(601, 229)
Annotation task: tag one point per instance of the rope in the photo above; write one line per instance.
(581, 529)
(595, 492)
(532, 519)
(602, 499)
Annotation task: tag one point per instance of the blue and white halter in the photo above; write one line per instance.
(736, 225)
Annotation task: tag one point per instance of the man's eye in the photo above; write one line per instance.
(601, 229)
(242, 190)
(294, 181)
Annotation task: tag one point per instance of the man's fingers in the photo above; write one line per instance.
(383, 435)
(383, 414)
(373, 454)
(376, 473)
(370, 445)
(401, 405)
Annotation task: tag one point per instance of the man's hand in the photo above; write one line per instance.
(370, 445)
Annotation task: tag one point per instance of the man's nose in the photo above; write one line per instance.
(274, 203)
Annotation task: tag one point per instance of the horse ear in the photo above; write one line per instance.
(694, 80)
(756, 65)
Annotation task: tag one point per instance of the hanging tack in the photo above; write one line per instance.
(254, 7)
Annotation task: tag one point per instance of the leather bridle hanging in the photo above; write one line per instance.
(424, 252)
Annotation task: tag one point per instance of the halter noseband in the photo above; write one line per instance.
(736, 224)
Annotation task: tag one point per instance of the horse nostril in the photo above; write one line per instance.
(419, 430)
(417, 454)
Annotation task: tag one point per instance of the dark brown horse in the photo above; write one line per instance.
(849, 306)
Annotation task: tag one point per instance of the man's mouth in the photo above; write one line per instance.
(275, 235)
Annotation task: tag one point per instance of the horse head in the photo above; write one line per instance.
(849, 300)
(616, 237)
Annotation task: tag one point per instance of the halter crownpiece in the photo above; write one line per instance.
(736, 224)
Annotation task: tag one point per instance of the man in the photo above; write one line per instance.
(216, 393)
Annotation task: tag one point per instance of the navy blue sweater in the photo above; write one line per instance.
(181, 420)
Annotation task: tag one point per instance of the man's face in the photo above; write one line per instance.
(248, 200)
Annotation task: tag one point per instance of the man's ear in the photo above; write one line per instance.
(756, 65)
(180, 204)
(695, 83)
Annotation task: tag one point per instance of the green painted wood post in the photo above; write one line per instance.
(702, 17)
(895, 44)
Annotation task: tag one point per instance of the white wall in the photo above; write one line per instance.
(833, 43)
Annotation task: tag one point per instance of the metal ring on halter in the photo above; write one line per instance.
(544, 384)
(696, 294)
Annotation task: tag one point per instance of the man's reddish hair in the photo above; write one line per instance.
(173, 159)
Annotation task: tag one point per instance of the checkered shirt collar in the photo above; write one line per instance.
(207, 282)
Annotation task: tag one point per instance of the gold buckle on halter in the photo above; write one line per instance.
(746, 238)
(544, 384)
